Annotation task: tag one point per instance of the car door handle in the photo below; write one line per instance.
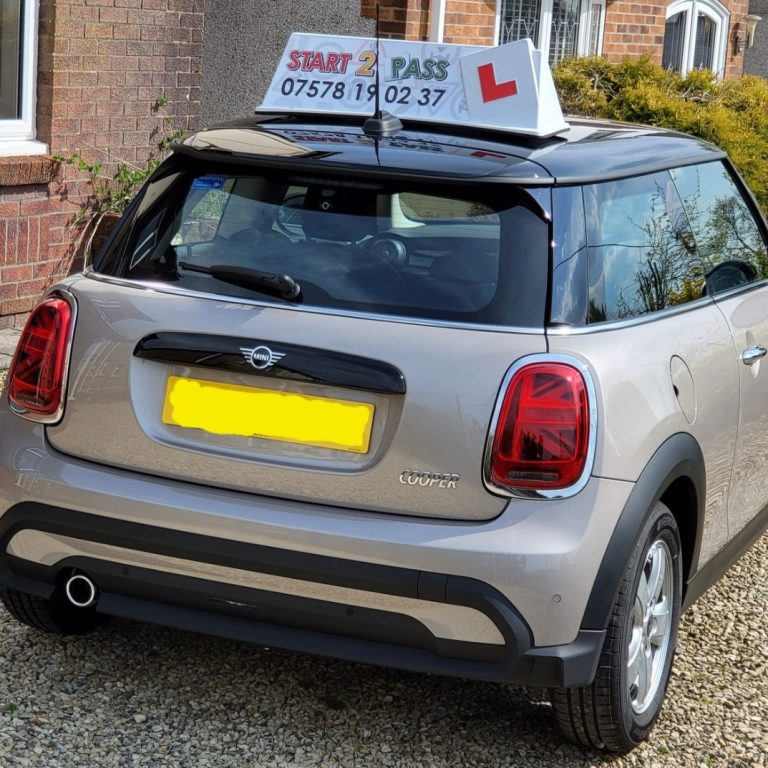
(752, 355)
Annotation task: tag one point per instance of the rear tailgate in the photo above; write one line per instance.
(144, 397)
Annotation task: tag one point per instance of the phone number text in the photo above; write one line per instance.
(334, 89)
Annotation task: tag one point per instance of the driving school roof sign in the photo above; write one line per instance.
(506, 88)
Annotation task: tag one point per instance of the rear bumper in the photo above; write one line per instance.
(272, 618)
(497, 600)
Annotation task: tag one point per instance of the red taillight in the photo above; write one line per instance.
(36, 378)
(542, 433)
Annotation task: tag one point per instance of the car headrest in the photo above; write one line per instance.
(338, 214)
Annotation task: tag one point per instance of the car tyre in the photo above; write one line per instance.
(53, 616)
(619, 709)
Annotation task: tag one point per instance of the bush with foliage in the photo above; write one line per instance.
(733, 114)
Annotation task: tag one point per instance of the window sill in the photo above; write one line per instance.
(27, 171)
(17, 148)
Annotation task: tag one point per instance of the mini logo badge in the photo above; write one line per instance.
(261, 357)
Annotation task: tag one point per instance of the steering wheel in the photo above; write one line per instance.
(388, 247)
(377, 260)
(728, 274)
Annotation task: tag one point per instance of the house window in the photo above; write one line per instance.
(674, 41)
(563, 28)
(18, 64)
(518, 19)
(704, 49)
(695, 36)
(596, 26)
(10, 59)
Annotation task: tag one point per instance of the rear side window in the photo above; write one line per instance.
(569, 258)
(728, 239)
(385, 248)
(642, 254)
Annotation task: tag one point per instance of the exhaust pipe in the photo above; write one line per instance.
(80, 590)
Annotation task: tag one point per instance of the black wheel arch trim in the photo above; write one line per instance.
(678, 457)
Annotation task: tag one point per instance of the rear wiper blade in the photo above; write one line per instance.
(245, 277)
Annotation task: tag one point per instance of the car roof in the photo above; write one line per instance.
(590, 150)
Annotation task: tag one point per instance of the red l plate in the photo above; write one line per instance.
(490, 89)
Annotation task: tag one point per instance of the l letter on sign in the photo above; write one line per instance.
(490, 89)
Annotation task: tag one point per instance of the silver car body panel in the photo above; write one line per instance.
(115, 402)
(640, 409)
(747, 316)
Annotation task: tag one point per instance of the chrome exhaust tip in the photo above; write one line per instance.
(80, 590)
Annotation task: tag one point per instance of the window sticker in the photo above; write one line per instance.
(209, 181)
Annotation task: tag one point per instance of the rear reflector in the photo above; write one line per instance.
(541, 439)
(36, 378)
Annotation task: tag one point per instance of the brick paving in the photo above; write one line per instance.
(8, 340)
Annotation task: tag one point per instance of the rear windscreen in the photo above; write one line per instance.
(383, 248)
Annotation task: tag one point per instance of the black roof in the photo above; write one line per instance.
(590, 150)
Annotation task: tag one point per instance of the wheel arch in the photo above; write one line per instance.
(682, 498)
(676, 476)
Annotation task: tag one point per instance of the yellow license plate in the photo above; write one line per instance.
(229, 409)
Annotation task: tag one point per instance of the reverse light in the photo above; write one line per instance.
(541, 440)
(37, 376)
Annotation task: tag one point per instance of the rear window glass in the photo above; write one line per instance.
(383, 248)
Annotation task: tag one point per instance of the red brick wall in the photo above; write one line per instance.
(466, 21)
(105, 62)
(28, 263)
(417, 20)
(102, 66)
(471, 22)
(403, 19)
(24, 234)
(734, 65)
(632, 28)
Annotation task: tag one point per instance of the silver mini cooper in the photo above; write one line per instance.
(445, 401)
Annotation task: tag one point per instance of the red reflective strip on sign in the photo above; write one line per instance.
(480, 153)
(492, 90)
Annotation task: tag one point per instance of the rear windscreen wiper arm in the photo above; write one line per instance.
(266, 282)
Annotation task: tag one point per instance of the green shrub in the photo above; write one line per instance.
(731, 114)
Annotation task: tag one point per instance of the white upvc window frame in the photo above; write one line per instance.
(545, 26)
(585, 27)
(715, 11)
(17, 137)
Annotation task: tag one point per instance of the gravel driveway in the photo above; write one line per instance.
(142, 695)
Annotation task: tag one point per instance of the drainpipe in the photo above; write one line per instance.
(437, 20)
